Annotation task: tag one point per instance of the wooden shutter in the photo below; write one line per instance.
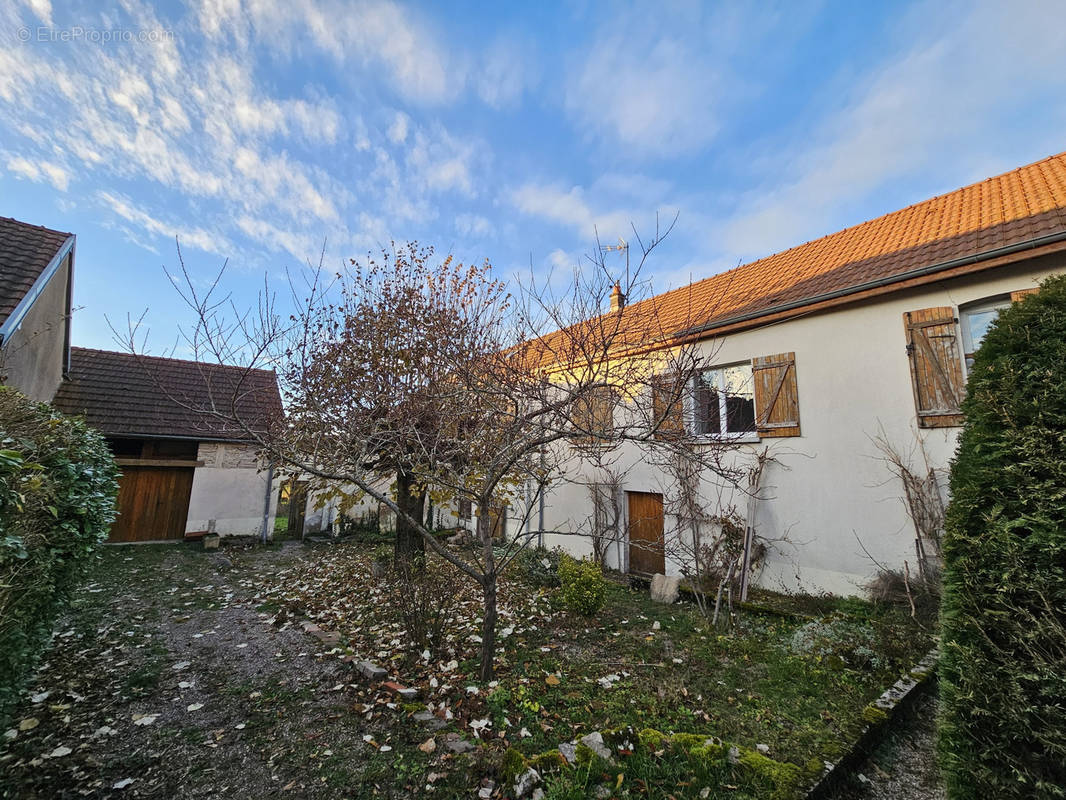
(1022, 293)
(667, 407)
(936, 366)
(593, 414)
(776, 395)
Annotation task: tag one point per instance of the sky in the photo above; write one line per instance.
(271, 134)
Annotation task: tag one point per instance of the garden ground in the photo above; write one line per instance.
(180, 673)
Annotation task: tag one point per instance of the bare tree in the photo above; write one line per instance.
(431, 373)
(923, 500)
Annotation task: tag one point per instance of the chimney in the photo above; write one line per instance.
(618, 300)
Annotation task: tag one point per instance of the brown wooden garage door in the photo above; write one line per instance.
(153, 503)
(646, 547)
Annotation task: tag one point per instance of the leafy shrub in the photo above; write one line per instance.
(1003, 724)
(583, 588)
(58, 484)
(538, 566)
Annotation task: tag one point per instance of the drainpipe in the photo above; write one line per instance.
(266, 501)
(540, 504)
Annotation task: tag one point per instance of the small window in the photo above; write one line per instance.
(724, 401)
(464, 509)
(975, 321)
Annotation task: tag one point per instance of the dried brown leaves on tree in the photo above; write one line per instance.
(411, 373)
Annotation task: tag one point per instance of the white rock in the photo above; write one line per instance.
(594, 742)
(525, 782)
(763, 748)
(665, 589)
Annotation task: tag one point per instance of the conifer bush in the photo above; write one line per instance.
(1003, 670)
(58, 484)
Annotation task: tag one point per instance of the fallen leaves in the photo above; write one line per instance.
(29, 724)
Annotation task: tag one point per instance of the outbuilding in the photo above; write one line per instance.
(184, 471)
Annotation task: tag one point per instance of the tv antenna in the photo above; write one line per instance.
(622, 245)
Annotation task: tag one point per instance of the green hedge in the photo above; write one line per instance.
(58, 484)
(1003, 718)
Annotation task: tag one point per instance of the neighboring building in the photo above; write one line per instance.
(183, 471)
(818, 350)
(36, 283)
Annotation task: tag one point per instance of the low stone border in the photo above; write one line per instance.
(893, 702)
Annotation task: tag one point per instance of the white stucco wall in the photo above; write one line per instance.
(828, 489)
(231, 490)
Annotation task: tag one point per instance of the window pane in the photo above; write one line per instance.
(740, 414)
(977, 323)
(708, 414)
(737, 383)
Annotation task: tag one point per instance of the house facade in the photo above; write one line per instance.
(813, 355)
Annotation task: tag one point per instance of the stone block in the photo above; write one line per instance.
(371, 671)
(665, 589)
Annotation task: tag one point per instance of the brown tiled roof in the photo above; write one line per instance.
(1010, 209)
(25, 251)
(145, 396)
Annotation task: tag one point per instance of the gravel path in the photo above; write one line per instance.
(904, 766)
(165, 680)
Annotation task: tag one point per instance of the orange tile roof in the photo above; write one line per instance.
(1009, 209)
(1017, 206)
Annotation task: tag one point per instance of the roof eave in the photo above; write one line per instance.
(14, 319)
(868, 286)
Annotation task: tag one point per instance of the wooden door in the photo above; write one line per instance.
(153, 503)
(297, 508)
(646, 546)
(498, 522)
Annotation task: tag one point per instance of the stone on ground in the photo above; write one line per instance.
(665, 589)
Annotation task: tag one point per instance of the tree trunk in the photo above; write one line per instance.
(409, 542)
(488, 588)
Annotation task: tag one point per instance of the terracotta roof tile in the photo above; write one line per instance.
(25, 251)
(1012, 208)
(145, 396)
(1008, 209)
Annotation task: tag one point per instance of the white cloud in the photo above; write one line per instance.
(662, 101)
(397, 131)
(508, 68)
(42, 9)
(194, 236)
(583, 211)
(39, 170)
(474, 225)
(912, 117)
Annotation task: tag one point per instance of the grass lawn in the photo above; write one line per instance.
(794, 682)
(181, 673)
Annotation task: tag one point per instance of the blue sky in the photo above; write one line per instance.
(257, 131)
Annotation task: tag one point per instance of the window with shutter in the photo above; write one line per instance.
(936, 366)
(723, 402)
(667, 407)
(776, 395)
(593, 415)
